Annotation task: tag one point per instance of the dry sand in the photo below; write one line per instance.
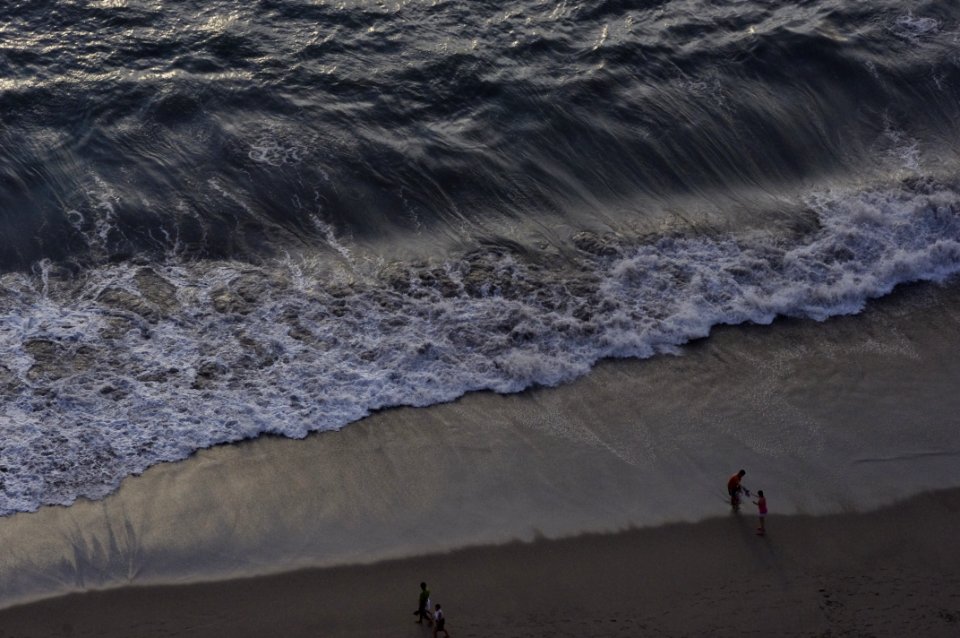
(893, 572)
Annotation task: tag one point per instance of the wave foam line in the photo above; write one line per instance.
(128, 365)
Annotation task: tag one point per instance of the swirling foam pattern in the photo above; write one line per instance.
(132, 364)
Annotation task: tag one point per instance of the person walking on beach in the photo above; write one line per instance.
(423, 605)
(761, 504)
(734, 488)
(439, 623)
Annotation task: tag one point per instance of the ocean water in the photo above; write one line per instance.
(222, 221)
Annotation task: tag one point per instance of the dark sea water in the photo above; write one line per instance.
(223, 219)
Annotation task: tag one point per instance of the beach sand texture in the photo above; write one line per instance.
(887, 573)
(832, 420)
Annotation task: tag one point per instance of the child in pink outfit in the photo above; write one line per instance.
(761, 504)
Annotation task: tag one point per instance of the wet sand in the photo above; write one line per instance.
(893, 572)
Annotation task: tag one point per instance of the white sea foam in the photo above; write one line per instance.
(101, 223)
(134, 365)
(278, 144)
(903, 148)
(911, 26)
(271, 151)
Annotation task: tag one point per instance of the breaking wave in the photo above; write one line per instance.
(117, 368)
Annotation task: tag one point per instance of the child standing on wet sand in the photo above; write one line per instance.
(761, 504)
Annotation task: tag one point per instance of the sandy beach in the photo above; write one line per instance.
(893, 572)
(593, 509)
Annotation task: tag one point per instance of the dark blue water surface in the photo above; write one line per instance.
(226, 129)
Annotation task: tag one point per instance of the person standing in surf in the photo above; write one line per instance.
(734, 488)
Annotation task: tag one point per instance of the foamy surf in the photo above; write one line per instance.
(127, 365)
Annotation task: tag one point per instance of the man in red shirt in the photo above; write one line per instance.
(734, 488)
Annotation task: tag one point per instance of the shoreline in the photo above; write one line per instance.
(848, 415)
(888, 572)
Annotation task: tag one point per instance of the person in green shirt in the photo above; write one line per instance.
(423, 605)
